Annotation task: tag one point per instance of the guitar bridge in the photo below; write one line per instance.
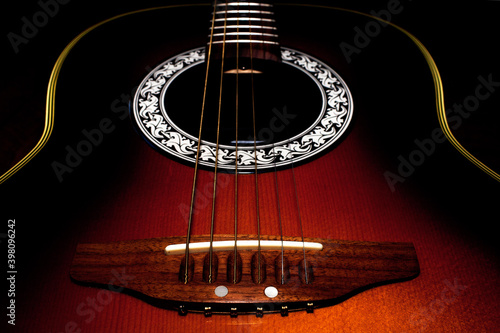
(267, 279)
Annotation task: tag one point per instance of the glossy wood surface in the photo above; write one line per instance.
(444, 207)
(340, 269)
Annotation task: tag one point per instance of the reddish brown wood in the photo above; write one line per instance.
(234, 268)
(340, 270)
(258, 274)
(210, 270)
(282, 269)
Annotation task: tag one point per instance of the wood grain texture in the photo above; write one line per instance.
(125, 191)
(340, 270)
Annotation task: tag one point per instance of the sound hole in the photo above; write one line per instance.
(302, 108)
(286, 102)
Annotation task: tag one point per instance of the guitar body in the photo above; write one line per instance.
(390, 179)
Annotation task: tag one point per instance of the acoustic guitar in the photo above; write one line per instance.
(237, 171)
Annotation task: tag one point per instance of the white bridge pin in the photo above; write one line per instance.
(271, 292)
(221, 291)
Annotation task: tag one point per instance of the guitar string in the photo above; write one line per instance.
(306, 274)
(280, 220)
(212, 223)
(297, 203)
(256, 175)
(235, 263)
(279, 217)
(195, 176)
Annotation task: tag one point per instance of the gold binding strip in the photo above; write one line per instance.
(438, 88)
(51, 89)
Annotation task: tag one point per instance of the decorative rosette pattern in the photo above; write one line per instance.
(157, 127)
